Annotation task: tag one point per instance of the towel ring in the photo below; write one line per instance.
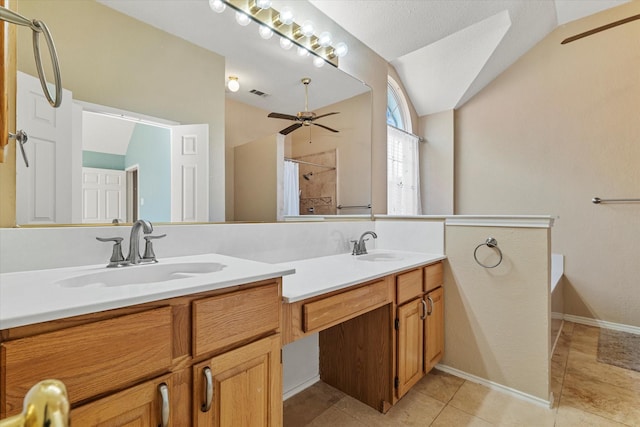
(42, 28)
(39, 27)
(493, 244)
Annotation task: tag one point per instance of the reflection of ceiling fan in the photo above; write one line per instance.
(303, 118)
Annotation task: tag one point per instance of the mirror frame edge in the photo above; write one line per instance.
(7, 121)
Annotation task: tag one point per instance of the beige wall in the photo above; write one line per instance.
(497, 322)
(364, 64)
(556, 129)
(243, 123)
(437, 163)
(256, 179)
(111, 59)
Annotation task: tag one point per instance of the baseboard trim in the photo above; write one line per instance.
(602, 324)
(300, 387)
(495, 386)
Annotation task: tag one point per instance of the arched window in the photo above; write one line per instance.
(403, 170)
(397, 107)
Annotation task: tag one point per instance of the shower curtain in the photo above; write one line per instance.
(291, 189)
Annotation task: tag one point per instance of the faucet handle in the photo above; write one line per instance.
(117, 258)
(355, 247)
(149, 255)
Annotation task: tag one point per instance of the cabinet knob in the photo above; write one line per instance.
(208, 389)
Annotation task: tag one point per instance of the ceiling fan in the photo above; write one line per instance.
(303, 118)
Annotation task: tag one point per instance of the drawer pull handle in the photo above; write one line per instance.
(208, 384)
(425, 310)
(430, 305)
(164, 396)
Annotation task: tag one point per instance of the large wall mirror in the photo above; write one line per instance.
(145, 92)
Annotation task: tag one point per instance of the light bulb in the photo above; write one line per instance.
(242, 19)
(265, 32)
(341, 49)
(318, 62)
(286, 16)
(302, 51)
(324, 39)
(263, 4)
(217, 5)
(307, 28)
(285, 43)
(233, 84)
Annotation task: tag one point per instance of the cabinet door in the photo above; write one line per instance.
(410, 335)
(240, 388)
(147, 404)
(434, 330)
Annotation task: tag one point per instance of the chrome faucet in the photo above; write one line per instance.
(134, 258)
(134, 240)
(359, 247)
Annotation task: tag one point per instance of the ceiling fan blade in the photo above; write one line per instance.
(325, 127)
(290, 129)
(325, 115)
(598, 29)
(282, 116)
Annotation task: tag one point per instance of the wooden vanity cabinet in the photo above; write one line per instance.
(434, 322)
(419, 325)
(122, 367)
(240, 388)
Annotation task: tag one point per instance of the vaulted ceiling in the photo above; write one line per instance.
(446, 51)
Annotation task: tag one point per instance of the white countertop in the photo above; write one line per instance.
(38, 296)
(316, 276)
(34, 296)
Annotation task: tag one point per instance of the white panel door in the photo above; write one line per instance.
(103, 195)
(190, 173)
(43, 190)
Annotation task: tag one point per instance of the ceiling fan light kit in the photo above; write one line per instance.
(283, 23)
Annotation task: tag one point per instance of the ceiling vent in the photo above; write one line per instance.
(259, 93)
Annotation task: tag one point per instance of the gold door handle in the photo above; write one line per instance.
(46, 404)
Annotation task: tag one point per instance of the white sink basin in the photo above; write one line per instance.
(139, 274)
(380, 257)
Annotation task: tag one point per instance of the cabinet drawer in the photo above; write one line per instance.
(226, 319)
(90, 359)
(408, 286)
(346, 305)
(433, 276)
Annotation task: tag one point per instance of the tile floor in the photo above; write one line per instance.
(587, 393)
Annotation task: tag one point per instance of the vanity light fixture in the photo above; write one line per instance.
(282, 22)
(285, 17)
(318, 62)
(232, 84)
(305, 30)
(217, 5)
(265, 32)
(285, 43)
(325, 39)
(242, 18)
